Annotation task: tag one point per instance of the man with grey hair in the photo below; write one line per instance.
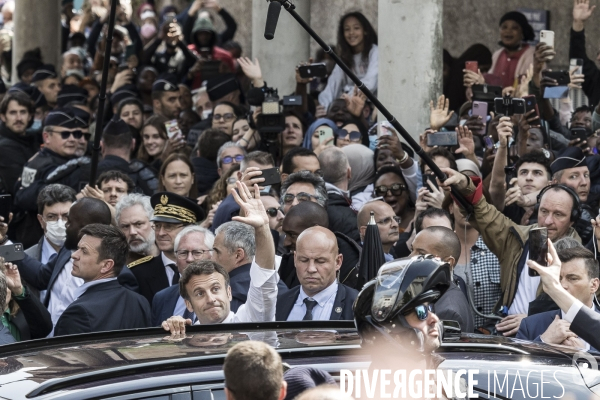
(234, 249)
(303, 186)
(337, 174)
(5, 336)
(229, 154)
(193, 243)
(133, 214)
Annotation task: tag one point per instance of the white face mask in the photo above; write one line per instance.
(56, 232)
(206, 114)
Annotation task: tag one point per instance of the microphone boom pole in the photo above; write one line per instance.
(391, 119)
(102, 95)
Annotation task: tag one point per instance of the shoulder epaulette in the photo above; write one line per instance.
(140, 261)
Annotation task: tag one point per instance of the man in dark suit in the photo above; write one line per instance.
(193, 243)
(320, 296)
(578, 276)
(102, 304)
(172, 213)
(234, 248)
(443, 243)
(55, 276)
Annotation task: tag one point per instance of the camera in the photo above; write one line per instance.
(509, 106)
(270, 121)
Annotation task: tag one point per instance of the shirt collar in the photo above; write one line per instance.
(166, 260)
(334, 189)
(322, 297)
(82, 289)
(227, 320)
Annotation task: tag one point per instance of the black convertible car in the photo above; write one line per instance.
(147, 364)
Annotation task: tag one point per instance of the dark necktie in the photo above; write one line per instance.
(187, 314)
(175, 279)
(310, 304)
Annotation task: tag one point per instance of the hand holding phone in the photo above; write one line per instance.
(547, 37)
(538, 248)
(173, 129)
(325, 136)
(472, 66)
(271, 176)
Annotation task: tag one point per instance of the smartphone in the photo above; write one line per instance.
(472, 66)
(12, 252)
(271, 175)
(578, 133)
(489, 143)
(442, 139)
(547, 37)
(326, 133)
(317, 70)
(531, 104)
(292, 100)
(538, 248)
(129, 51)
(431, 178)
(480, 108)
(509, 173)
(5, 206)
(384, 128)
(561, 77)
(173, 129)
(576, 64)
(556, 92)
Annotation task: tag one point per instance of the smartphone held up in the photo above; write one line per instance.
(538, 248)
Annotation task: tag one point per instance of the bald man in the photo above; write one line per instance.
(319, 296)
(387, 224)
(443, 243)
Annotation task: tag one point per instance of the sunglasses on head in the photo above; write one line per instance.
(272, 211)
(423, 311)
(228, 159)
(396, 189)
(353, 136)
(78, 134)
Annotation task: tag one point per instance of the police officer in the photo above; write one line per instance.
(166, 97)
(172, 213)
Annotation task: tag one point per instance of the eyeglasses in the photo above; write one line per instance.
(423, 311)
(353, 136)
(317, 172)
(288, 198)
(272, 211)
(225, 117)
(78, 134)
(167, 227)
(228, 159)
(54, 218)
(196, 254)
(388, 220)
(396, 189)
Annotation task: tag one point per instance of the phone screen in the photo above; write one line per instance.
(384, 128)
(173, 129)
(538, 248)
(5, 205)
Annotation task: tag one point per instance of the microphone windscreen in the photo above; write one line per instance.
(272, 17)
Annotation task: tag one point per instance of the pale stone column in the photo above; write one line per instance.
(410, 59)
(37, 24)
(278, 57)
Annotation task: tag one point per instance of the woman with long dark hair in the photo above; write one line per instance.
(357, 47)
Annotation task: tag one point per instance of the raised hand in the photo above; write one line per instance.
(300, 79)
(505, 131)
(514, 194)
(356, 102)
(471, 78)
(466, 145)
(581, 12)
(13, 279)
(251, 70)
(252, 209)
(439, 114)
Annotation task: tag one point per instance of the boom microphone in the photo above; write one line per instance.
(272, 17)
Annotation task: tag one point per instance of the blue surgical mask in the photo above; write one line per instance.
(37, 125)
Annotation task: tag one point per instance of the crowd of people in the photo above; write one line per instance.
(182, 225)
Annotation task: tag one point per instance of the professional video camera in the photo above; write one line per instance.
(270, 121)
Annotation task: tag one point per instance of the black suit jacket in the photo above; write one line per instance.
(453, 306)
(151, 276)
(587, 325)
(107, 306)
(163, 304)
(33, 319)
(43, 276)
(342, 305)
(239, 280)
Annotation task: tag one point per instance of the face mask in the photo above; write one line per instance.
(37, 125)
(75, 72)
(56, 232)
(206, 114)
(148, 30)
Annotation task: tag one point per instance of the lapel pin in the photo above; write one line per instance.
(338, 310)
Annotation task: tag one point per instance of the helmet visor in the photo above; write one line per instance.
(387, 289)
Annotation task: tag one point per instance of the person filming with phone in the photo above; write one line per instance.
(559, 207)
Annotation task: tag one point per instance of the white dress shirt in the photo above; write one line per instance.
(262, 297)
(83, 288)
(322, 311)
(63, 293)
(166, 261)
(180, 307)
(526, 291)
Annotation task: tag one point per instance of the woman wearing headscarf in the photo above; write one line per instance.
(311, 138)
(361, 163)
(515, 56)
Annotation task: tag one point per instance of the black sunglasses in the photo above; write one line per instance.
(353, 136)
(272, 211)
(396, 189)
(423, 311)
(228, 159)
(76, 134)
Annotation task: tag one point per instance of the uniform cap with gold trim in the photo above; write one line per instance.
(175, 209)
